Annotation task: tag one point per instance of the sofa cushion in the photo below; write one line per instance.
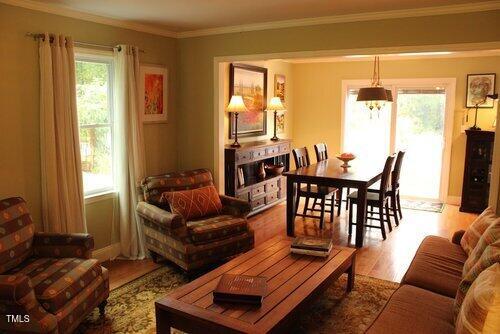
(490, 256)
(415, 310)
(218, 227)
(57, 281)
(16, 233)
(480, 309)
(437, 266)
(476, 229)
(154, 186)
(194, 203)
(491, 235)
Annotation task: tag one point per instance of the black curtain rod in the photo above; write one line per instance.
(77, 43)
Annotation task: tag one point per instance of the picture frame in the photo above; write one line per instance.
(251, 83)
(280, 86)
(153, 93)
(478, 86)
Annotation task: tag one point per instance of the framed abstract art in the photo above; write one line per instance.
(251, 83)
(153, 93)
(478, 86)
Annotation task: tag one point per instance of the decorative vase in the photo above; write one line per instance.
(262, 171)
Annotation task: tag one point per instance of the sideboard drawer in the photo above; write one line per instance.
(272, 186)
(273, 150)
(243, 156)
(258, 191)
(270, 198)
(285, 148)
(244, 196)
(258, 154)
(257, 203)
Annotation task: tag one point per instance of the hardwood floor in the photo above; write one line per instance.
(385, 259)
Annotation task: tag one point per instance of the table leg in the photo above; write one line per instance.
(360, 215)
(351, 272)
(163, 324)
(290, 205)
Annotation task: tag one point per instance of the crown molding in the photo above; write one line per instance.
(67, 12)
(370, 16)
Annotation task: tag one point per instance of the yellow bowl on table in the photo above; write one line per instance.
(346, 157)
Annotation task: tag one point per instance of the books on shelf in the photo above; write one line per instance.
(311, 246)
(240, 289)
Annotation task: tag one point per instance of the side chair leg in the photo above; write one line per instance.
(399, 207)
(382, 225)
(350, 217)
(332, 208)
(388, 217)
(339, 204)
(306, 206)
(322, 215)
(394, 209)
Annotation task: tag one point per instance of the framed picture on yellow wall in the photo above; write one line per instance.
(153, 93)
(478, 86)
(279, 86)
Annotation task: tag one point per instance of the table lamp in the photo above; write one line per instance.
(236, 105)
(275, 105)
(491, 96)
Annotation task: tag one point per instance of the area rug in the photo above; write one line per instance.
(130, 308)
(422, 205)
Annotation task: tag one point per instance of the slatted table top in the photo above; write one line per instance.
(292, 279)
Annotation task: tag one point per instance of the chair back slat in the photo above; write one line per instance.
(386, 173)
(301, 157)
(321, 151)
(396, 173)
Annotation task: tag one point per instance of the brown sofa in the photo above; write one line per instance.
(424, 301)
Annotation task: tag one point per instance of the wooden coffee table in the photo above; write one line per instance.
(293, 281)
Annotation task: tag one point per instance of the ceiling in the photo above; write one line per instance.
(189, 15)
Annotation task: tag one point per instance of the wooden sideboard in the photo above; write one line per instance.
(261, 193)
(477, 171)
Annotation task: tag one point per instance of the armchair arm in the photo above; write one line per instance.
(18, 301)
(457, 237)
(235, 207)
(159, 216)
(60, 245)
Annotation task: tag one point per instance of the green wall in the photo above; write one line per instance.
(19, 106)
(196, 60)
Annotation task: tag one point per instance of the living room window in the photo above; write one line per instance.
(94, 94)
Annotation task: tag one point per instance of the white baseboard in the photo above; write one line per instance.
(109, 252)
(454, 200)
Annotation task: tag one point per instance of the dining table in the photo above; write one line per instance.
(330, 173)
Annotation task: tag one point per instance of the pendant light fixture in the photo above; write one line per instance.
(375, 95)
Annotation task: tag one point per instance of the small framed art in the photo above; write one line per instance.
(478, 86)
(153, 93)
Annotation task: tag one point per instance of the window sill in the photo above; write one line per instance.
(89, 199)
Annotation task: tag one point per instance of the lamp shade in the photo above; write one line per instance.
(389, 95)
(372, 94)
(236, 104)
(275, 104)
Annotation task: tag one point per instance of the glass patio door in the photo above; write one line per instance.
(415, 122)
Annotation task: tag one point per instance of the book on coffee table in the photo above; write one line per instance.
(240, 289)
(311, 246)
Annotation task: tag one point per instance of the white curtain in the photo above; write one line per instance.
(61, 175)
(129, 149)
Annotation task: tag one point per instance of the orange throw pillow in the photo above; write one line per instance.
(194, 203)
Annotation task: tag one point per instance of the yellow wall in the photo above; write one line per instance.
(273, 67)
(196, 60)
(317, 90)
(19, 105)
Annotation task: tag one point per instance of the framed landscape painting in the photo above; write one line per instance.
(251, 83)
(153, 93)
(478, 86)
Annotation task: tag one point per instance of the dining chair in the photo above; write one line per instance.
(321, 150)
(320, 194)
(378, 200)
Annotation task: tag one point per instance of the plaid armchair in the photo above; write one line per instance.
(46, 279)
(192, 244)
